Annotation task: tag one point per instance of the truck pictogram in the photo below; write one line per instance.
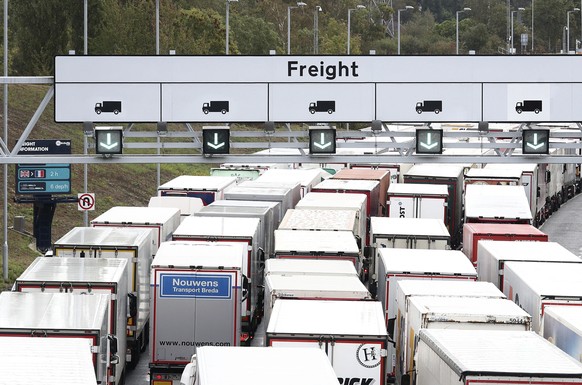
(108, 106)
(435, 106)
(216, 106)
(528, 106)
(322, 106)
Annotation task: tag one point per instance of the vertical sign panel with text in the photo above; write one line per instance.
(41, 178)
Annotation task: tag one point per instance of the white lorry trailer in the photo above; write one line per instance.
(258, 366)
(60, 315)
(563, 327)
(302, 286)
(537, 285)
(207, 188)
(463, 357)
(496, 204)
(352, 333)
(287, 266)
(492, 256)
(48, 361)
(186, 205)
(426, 312)
(417, 200)
(83, 276)
(399, 264)
(263, 213)
(163, 220)
(197, 290)
(133, 244)
(307, 244)
(306, 177)
(286, 195)
(246, 231)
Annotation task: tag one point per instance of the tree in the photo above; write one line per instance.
(254, 36)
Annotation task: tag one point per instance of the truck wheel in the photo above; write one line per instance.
(135, 350)
(418, 110)
(537, 110)
(116, 112)
(205, 112)
(312, 111)
(518, 110)
(437, 111)
(330, 111)
(98, 112)
(223, 111)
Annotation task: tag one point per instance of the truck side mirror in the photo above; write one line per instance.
(405, 379)
(132, 304)
(261, 256)
(112, 344)
(246, 287)
(390, 327)
(359, 241)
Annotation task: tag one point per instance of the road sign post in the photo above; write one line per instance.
(215, 140)
(536, 141)
(322, 140)
(108, 140)
(429, 141)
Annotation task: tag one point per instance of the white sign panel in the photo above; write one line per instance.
(521, 102)
(321, 102)
(107, 103)
(439, 102)
(214, 102)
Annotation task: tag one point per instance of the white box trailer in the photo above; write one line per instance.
(369, 188)
(164, 220)
(49, 315)
(463, 357)
(258, 366)
(352, 333)
(405, 233)
(263, 213)
(48, 361)
(324, 220)
(197, 291)
(506, 176)
(302, 286)
(492, 256)
(240, 173)
(496, 204)
(426, 312)
(417, 200)
(246, 231)
(450, 175)
(186, 205)
(287, 195)
(308, 244)
(537, 285)
(83, 276)
(307, 178)
(133, 244)
(207, 188)
(287, 266)
(562, 326)
(399, 264)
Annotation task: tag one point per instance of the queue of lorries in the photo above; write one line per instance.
(436, 275)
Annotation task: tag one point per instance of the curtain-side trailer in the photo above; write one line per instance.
(197, 289)
(207, 188)
(133, 244)
(492, 256)
(537, 285)
(464, 357)
(473, 313)
(399, 264)
(352, 333)
(48, 361)
(163, 220)
(418, 200)
(308, 244)
(450, 175)
(268, 366)
(82, 276)
(246, 231)
(474, 232)
(59, 315)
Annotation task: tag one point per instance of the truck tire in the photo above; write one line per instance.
(537, 110)
(223, 111)
(116, 111)
(330, 111)
(437, 111)
(518, 110)
(135, 351)
(205, 111)
(98, 111)
(419, 111)
(312, 111)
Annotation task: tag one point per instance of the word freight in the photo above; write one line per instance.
(330, 72)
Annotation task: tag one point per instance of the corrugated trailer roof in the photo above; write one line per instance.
(448, 288)
(315, 219)
(331, 286)
(423, 261)
(502, 353)
(332, 200)
(298, 241)
(292, 266)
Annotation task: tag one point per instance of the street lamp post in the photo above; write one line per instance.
(157, 27)
(464, 10)
(568, 28)
(512, 33)
(227, 23)
(532, 26)
(289, 8)
(316, 29)
(403, 9)
(359, 6)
